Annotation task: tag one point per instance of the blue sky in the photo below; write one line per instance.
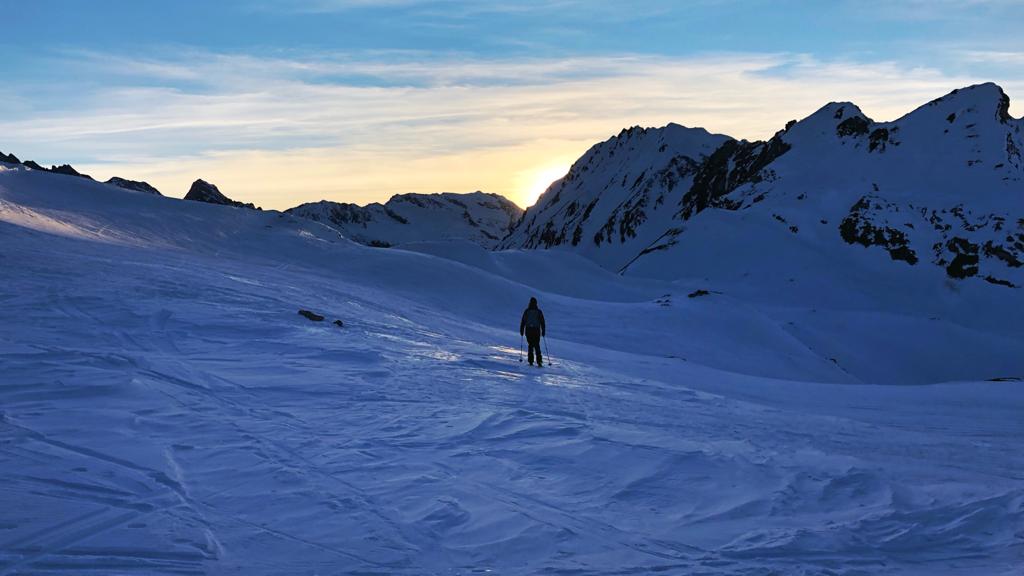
(284, 101)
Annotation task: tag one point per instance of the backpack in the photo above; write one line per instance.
(533, 318)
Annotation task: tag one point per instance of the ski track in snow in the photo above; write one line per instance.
(168, 413)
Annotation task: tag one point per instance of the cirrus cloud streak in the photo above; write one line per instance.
(289, 128)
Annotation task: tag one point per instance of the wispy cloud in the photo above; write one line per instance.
(1000, 57)
(361, 126)
(924, 10)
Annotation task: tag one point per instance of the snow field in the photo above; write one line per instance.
(164, 410)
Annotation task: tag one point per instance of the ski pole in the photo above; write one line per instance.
(520, 348)
(547, 350)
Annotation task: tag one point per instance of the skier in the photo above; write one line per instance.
(532, 325)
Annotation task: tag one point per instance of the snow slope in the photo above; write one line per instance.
(164, 410)
(479, 217)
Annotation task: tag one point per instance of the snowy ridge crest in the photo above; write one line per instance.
(477, 216)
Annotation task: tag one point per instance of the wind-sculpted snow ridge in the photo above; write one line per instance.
(940, 187)
(164, 410)
(478, 217)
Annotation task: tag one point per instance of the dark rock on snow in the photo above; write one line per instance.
(311, 315)
(203, 191)
(64, 169)
(858, 228)
(67, 170)
(134, 185)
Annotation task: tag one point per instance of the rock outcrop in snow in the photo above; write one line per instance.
(479, 217)
(134, 185)
(941, 186)
(203, 191)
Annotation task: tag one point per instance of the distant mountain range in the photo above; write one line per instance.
(479, 217)
(942, 186)
(68, 170)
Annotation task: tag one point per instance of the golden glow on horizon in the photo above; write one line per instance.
(538, 181)
(472, 125)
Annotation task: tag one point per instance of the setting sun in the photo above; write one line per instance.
(537, 181)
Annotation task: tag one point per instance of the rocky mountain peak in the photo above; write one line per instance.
(835, 118)
(203, 191)
(134, 185)
(68, 170)
(981, 104)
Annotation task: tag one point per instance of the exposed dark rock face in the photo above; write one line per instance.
(134, 185)
(1002, 253)
(999, 282)
(9, 158)
(1003, 108)
(202, 191)
(852, 126)
(965, 259)
(965, 246)
(67, 170)
(880, 138)
(698, 293)
(858, 228)
(734, 164)
(311, 315)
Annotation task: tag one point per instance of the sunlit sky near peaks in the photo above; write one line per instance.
(280, 102)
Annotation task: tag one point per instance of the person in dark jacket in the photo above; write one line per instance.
(532, 325)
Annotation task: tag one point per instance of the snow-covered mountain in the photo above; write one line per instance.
(479, 217)
(620, 196)
(940, 187)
